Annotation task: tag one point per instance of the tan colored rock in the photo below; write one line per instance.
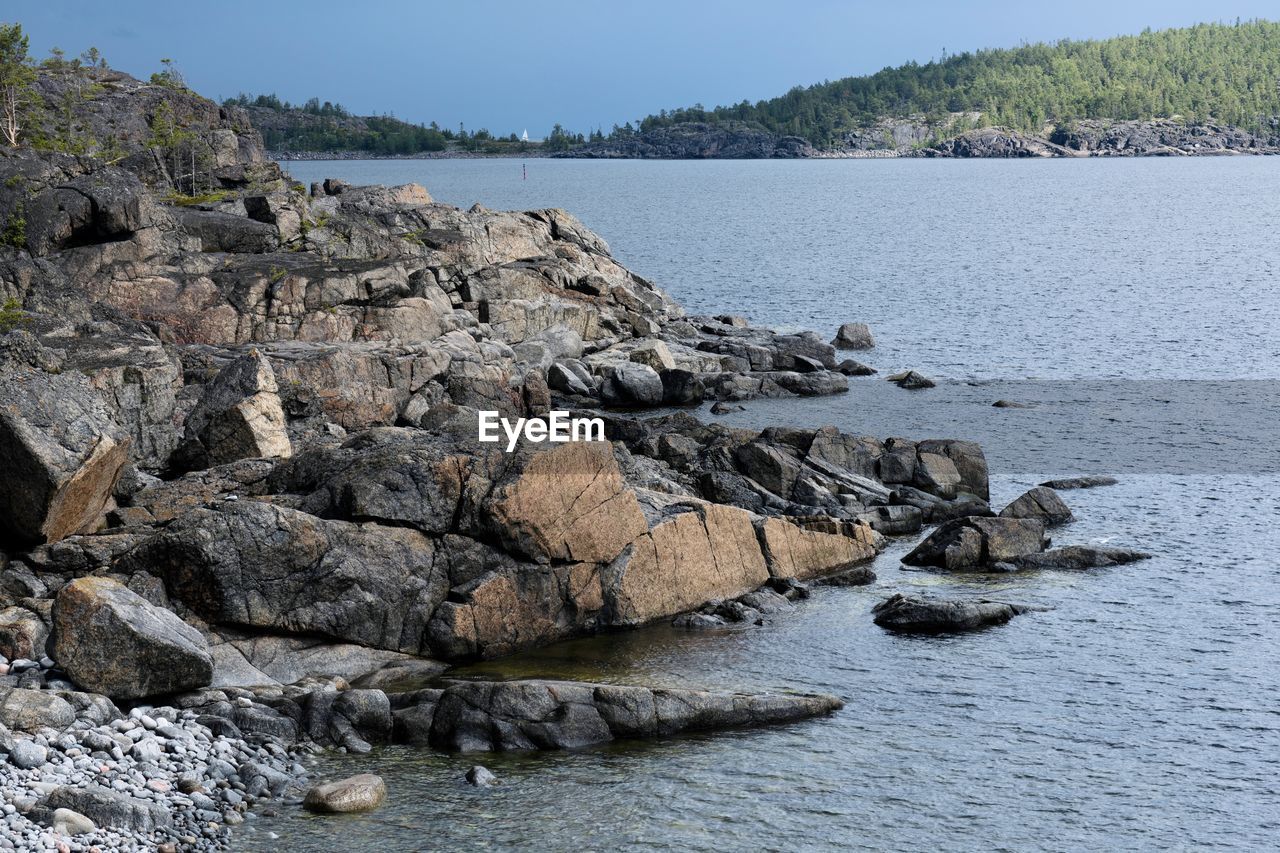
(655, 354)
(795, 552)
(239, 416)
(361, 793)
(518, 608)
(699, 552)
(569, 503)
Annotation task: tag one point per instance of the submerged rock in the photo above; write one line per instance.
(1080, 482)
(481, 777)
(911, 380)
(850, 367)
(361, 793)
(909, 614)
(1041, 502)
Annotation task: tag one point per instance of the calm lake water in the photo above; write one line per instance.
(1135, 304)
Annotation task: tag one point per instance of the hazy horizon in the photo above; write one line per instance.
(504, 67)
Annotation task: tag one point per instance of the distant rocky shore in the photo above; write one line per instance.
(246, 514)
(919, 137)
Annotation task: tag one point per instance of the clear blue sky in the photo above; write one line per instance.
(512, 65)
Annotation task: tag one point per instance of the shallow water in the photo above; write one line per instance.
(1137, 713)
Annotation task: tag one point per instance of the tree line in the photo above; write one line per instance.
(1226, 72)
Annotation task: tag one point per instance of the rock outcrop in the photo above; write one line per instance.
(488, 716)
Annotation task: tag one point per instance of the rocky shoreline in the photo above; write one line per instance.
(249, 513)
(921, 137)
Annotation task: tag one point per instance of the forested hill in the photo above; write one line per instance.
(327, 128)
(1227, 73)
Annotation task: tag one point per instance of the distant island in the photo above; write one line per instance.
(1207, 89)
(313, 130)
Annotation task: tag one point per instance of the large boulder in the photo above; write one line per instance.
(568, 502)
(481, 716)
(239, 416)
(909, 614)
(62, 454)
(111, 640)
(853, 336)
(976, 542)
(631, 384)
(1041, 502)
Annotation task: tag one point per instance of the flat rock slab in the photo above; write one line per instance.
(1080, 482)
(484, 716)
(1077, 557)
(912, 615)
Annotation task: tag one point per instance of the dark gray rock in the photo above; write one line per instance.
(853, 336)
(108, 808)
(1077, 557)
(253, 564)
(225, 232)
(681, 387)
(931, 616)
(111, 640)
(850, 367)
(911, 380)
(974, 543)
(1079, 482)
(62, 454)
(1041, 502)
(855, 576)
(478, 716)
